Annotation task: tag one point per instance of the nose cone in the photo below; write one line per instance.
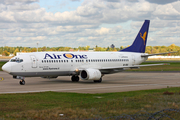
(6, 68)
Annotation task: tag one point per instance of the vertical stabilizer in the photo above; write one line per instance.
(139, 44)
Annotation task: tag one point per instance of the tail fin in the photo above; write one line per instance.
(139, 44)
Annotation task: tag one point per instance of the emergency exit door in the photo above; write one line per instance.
(133, 60)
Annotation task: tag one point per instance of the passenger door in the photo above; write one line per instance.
(33, 61)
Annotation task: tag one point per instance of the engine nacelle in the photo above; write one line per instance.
(90, 74)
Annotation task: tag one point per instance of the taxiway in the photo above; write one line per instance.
(119, 82)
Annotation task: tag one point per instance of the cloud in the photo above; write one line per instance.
(166, 12)
(103, 31)
(161, 1)
(75, 0)
(11, 2)
(81, 40)
(38, 38)
(120, 0)
(23, 7)
(112, 0)
(7, 16)
(87, 11)
(26, 20)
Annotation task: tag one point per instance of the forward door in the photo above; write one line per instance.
(33, 61)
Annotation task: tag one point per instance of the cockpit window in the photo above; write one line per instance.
(16, 60)
(12, 60)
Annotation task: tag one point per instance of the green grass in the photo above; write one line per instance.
(1, 64)
(49, 105)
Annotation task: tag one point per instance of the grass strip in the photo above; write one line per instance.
(1, 64)
(55, 105)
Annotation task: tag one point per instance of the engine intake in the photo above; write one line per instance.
(90, 74)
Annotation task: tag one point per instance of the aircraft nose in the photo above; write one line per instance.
(6, 68)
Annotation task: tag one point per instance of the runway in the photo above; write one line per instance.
(119, 82)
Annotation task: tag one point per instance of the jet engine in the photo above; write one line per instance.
(90, 74)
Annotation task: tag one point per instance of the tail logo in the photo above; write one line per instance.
(143, 37)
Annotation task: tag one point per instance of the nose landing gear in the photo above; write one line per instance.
(22, 82)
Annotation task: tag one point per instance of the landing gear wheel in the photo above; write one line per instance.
(22, 82)
(75, 78)
(98, 81)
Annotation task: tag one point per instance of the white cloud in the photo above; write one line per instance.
(75, 0)
(7, 16)
(23, 7)
(38, 38)
(176, 6)
(166, 10)
(86, 10)
(11, 2)
(161, 1)
(81, 40)
(25, 20)
(103, 31)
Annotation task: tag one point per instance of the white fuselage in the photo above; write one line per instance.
(52, 64)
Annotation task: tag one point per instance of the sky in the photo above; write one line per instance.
(74, 23)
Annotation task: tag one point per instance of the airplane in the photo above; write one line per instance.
(87, 65)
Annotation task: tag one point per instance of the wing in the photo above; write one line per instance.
(110, 70)
(133, 67)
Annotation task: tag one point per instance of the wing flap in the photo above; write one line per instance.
(151, 65)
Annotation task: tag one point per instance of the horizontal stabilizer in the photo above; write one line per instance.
(147, 55)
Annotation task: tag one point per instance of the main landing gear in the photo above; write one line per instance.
(75, 78)
(98, 81)
(22, 82)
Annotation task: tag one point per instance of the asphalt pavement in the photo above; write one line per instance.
(119, 82)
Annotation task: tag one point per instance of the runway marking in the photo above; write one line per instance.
(1, 78)
(60, 90)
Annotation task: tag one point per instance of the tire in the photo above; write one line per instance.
(22, 82)
(75, 78)
(98, 81)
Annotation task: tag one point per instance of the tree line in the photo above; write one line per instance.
(6, 51)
